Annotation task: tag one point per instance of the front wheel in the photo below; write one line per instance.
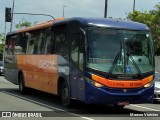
(65, 95)
(22, 88)
(118, 106)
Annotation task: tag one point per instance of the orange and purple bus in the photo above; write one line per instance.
(97, 61)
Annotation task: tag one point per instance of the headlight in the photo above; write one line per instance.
(96, 84)
(149, 84)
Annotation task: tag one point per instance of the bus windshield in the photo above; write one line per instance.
(119, 51)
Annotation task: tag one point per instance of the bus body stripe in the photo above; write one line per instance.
(121, 83)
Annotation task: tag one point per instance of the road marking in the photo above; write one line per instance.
(81, 116)
(144, 107)
(87, 118)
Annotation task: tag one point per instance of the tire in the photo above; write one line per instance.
(22, 88)
(65, 95)
(155, 101)
(118, 106)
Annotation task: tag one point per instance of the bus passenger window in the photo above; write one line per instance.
(10, 44)
(49, 43)
(35, 42)
(30, 47)
(49, 46)
(41, 43)
(74, 48)
(20, 45)
(61, 44)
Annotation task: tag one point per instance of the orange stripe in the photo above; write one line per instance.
(122, 83)
(39, 26)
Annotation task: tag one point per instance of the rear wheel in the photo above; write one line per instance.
(22, 88)
(65, 95)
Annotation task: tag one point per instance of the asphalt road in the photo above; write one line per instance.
(39, 104)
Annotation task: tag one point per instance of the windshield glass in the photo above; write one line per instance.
(119, 51)
(138, 50)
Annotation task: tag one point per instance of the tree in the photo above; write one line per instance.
(23, 24)
(2, 39)
(152, 20)
(156, 28)
(145, 17)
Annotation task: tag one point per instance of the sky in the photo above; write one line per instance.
(74, 8)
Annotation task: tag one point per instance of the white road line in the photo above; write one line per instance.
(82, 116)
(145, 107)
(87, 118)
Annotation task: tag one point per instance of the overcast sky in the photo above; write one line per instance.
(74, 8)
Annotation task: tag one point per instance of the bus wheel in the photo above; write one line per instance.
(22, 88)
(65, 95)
(118, 106)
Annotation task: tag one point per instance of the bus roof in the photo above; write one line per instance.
(89, 22)
(110, 23)
(37, 26)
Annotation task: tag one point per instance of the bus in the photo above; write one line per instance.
(93, 60)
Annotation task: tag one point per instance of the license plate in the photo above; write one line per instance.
(123, 103)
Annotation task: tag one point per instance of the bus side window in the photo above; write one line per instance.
(41, 39)
(61, 44)
(49, 46)
(35, 41)
(75, 53)
(30, 45)
(10, 44)
(41, 43)
(20, 46)
(74, 48)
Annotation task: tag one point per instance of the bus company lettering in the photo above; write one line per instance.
(136, 84)
(116, 84)
(46, 64)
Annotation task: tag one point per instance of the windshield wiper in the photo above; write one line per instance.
(114, 62)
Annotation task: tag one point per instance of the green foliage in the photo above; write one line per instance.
(144, 17)
(2, 40)
(156, 29)
(23, 24)
(1, 51)
(152, 20)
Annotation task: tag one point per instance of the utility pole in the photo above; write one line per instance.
(106, 9)
(5, 29)
(36, 14)
(12, 16)
(63, 9)
(134, 5)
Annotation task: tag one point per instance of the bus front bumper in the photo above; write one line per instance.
(107, 95)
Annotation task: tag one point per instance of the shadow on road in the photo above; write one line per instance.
(54, 103)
